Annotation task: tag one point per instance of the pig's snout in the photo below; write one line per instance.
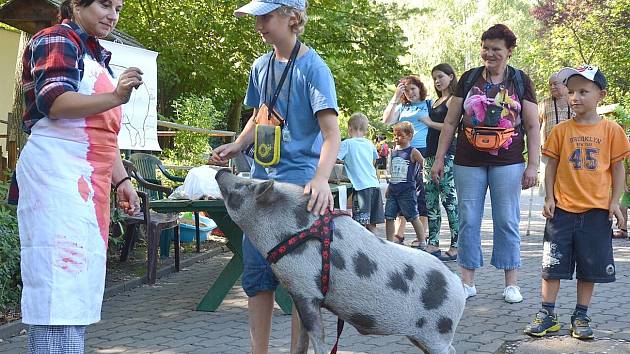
(221, 173)
(222, 178)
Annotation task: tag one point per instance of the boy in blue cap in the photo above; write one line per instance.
(310, 137)
(585, 162)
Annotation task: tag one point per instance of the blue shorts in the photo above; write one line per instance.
(580, 242)
(367, 206)
(257, 274)
(404, 203)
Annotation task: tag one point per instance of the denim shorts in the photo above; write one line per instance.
(580, 242)
(257, 274)
(367, 206)
(404, 203)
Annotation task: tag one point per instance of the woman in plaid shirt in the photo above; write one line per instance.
(66, 170)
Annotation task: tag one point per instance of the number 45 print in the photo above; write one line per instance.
(584, 158)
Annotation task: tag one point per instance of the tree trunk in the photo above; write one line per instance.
(234, 115)
(16, 138)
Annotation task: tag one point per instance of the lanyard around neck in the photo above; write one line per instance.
(289, 67)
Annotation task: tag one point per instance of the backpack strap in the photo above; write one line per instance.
(519, 83)
(519, 86)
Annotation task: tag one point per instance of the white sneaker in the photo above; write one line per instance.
(512, 294)
(470, 291)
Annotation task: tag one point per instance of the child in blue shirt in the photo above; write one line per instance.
(358, 155)
(401, 192)
(310, 138)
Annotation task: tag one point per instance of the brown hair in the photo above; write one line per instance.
(500, 31)
(414, 80)
(404, 127)
(358, 122)
(448, 70)
(66, 7)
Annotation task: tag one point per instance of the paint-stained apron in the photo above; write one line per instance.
(64, 174)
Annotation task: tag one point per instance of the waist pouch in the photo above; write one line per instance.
(267, 136)
(488, 138)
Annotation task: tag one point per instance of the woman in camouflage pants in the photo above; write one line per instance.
(444, 81)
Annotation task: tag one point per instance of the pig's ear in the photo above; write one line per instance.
(263, 191)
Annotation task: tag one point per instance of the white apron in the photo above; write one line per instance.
(64, 176)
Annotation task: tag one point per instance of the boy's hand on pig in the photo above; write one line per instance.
(321, 196)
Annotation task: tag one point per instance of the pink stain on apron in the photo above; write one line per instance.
(102, 152)
(84, 188)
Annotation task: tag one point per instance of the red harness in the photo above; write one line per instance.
(322, 229)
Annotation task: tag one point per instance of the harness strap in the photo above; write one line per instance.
(339, 330)
(321, 229)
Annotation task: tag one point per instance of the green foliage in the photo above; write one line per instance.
(621, 115)
(204, 47)
(595, 32)
(116, 228)
(191, 148)
(10, 283)
(450, 32)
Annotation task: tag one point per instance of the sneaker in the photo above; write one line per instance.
(470, 291)
(512, 294)
(580, 327)
(542, 324)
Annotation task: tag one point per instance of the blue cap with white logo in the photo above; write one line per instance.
(263, 7)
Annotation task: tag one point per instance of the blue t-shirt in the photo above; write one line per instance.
(402, 171)
(312, 90)
(412, 112)
(358, 155)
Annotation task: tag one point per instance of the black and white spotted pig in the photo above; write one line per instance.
(377, 286)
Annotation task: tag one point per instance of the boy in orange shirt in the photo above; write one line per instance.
(585, 161)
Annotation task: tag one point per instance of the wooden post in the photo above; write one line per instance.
(11, 145)
(3, 166)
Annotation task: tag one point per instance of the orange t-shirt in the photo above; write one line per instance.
(585, 154)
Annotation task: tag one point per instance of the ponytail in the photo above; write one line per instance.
(65, 10)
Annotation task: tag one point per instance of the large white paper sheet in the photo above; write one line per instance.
(139, 122)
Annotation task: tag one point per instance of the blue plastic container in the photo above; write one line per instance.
(187, 232)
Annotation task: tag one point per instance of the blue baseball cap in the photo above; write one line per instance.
(263, 7)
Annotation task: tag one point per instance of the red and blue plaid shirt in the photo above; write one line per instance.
(53, 65)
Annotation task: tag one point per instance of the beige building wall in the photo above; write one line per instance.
(9, 42)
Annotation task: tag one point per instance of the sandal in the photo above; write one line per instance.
(621, 233)
(420, 246)
(436, 253)
(399, 240)
(448, 257)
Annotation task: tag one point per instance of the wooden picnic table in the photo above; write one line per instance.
(229, 275)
